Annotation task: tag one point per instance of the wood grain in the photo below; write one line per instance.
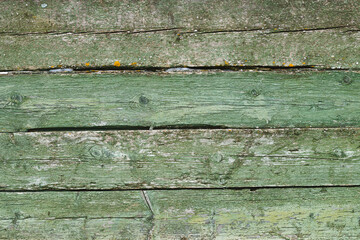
(96, 34)
(320, 213)
(73, 215)
(237, 99)
(208, 15)
(297, 181)
(179, 159)
(328, 48)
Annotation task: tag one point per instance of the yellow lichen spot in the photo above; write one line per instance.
(134, 64)
(226, 62)
(283, 63)
(52, 66)
(241, 65)
(117, 64)
(275, 29)
(87, 64)
(229, 130)
(291, 65)
(245, 60)
(59, 66)
(304, 63)
(273, 62)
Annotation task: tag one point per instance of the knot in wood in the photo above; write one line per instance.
(254, 93)
(16, 99)
(143, 100)
(347, 80)
(96, 152)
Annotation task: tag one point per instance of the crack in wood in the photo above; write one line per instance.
(151, 217)
(181, 31)
(89, 32)
(254, 188)
(147, 201)
(311, 29)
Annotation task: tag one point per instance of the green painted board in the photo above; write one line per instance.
(98, 34)
(179, 159)
(73, 215)
(74, 229)
(332, 48)
(22, 17)
(233, 99)
(328, 213)
(321, 213)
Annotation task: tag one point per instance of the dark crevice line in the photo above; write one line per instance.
(190, 68)
(77, 69)
(119, 128)
(181, 188)
(272, 31)
(178, 68)
(170, 127)
(182, 31)
(310, 29)
(89, 32)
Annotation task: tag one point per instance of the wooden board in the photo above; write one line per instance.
(73, 215)
(98, 34)
(332, 48)
(79, 158)
(321, 213)
(179, 159)
(237, 99)
(75, 16)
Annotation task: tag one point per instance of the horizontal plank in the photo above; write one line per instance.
(322, 213)
(78, 228)
(263, 214)
(179, 159)
(234, 99)
(208, 15)
(98, 34)
(324, 48)
(73, 215)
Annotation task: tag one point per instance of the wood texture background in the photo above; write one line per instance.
(268, 150)
(237, 99)
(315, 213)
(179, 159)
(36, 35)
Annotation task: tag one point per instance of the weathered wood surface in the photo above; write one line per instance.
(240, 99)
(322, 213)
(73, 215)
(22, 17)
(93, 34)
(333, 48)
(179, 159)
(263, 214)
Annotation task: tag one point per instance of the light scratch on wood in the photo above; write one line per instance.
(151, 218)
